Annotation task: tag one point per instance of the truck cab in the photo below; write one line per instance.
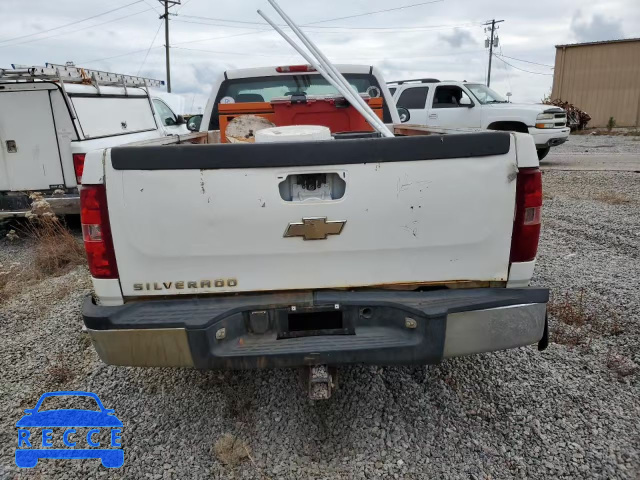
(452, 104)
(263, 84)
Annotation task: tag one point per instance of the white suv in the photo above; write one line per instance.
(451, 104)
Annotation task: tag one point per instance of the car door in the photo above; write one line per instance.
(453, 107)
(168, 119)
(414, 98)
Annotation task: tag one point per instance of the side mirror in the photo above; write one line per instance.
(179, 120)
(193, 124)
(404, 114)
(466, 102)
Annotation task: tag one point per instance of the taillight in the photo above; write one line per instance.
(295, 68)
(96, 232)
(78, 166)
(526, 226)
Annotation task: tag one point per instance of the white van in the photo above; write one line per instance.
(51, 116)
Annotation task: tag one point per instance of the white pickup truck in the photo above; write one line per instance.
(451, 104)
(51, 116)
(419, 248)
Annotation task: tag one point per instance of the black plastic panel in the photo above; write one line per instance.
(343, 152)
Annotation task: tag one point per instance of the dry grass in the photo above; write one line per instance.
(58, 372)
(570, 311)
(230, 450)
(576, 326)
(55, 250)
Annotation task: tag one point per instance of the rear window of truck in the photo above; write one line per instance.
(265, 89)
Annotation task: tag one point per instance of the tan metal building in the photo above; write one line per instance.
(601, 78)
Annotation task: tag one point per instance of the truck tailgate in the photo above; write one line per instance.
(210, 219)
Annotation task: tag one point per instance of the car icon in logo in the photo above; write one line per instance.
(73, 423)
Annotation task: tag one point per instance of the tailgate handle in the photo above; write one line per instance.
(11, 146)
(313, 186)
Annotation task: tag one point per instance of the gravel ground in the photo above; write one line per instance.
(572, 411)
(599, 144)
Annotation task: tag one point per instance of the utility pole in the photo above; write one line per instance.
(167, 3)
(491, 44)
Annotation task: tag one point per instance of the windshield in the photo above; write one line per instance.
(484, 94)
(265, 89)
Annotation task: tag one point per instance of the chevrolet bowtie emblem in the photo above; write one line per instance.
(315, 228)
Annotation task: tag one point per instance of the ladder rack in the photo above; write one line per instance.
(73, 74)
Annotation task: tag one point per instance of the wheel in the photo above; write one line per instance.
(543, 152)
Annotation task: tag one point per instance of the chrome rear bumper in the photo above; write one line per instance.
(269, 330)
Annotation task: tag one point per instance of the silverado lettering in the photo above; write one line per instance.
(219, 283)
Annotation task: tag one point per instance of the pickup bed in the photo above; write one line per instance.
(402, 250)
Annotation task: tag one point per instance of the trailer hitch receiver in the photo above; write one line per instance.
(320, 382)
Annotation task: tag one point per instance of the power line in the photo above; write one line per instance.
(525, 61)
(221, 25)
(383, 30)
(72, 23)
(308, 24)
(150, 47)
(416, 27)
(521, 69)
(182, 6)
(506, 70)
(246, 22)
(413, 57)
(379, 11)
(116, 56)
(474, 52)
(231, 53)
(76, 30)
(153, 7)
(221, 37)
(335, 19)
(263, 31)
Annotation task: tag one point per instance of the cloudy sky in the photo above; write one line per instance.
(443, 39)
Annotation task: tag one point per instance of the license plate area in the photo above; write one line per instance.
(309, 322)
